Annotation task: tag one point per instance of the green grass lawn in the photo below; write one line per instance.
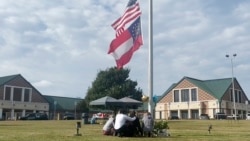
(182, 130)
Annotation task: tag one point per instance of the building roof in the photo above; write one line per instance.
(62, 103)
(215, 87)
(5, 79)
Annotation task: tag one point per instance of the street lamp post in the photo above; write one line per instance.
(234, 55)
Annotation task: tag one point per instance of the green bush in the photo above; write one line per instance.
(159, 125)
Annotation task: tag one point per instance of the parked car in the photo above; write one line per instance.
(233, 116)
(174, 118)
(35, 116)
(248, 116)
(68, 116)
(204, 116)
(220, 116)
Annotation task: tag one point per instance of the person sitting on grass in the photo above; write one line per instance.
(135, 126)
(108, 128)
(93, 119)
(121, 126)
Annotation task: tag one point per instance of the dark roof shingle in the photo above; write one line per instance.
(62, 103)
(6, 79)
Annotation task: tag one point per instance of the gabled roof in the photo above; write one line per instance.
(62, 103)
(6, 79)
(215, 87)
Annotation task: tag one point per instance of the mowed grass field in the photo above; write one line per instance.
(181, 130)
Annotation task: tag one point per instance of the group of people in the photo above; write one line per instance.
(124, 125)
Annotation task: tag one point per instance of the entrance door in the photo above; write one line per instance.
(195, 114)
(184, 114)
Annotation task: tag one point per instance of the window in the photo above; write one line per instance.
(231, 95)
(240, 99)
(176, 95)
(193, 95)
(7, 93)
(237, 96)
(17, 94)
(27, 93)
(185, 95)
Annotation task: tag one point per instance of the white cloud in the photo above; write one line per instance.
(242, 10)
(42, 83)
(61, 45)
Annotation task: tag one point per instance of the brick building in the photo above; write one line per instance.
(189, 98)
(18, 97)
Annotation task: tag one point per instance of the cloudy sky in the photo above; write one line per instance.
(59, 46)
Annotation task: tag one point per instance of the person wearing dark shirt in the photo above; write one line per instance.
(135, 126)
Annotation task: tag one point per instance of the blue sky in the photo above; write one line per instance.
(60, 45)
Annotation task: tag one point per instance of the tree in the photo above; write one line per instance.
(82, 106)
(115, 83)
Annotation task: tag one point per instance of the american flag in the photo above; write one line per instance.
(128, 35)
(131, 13)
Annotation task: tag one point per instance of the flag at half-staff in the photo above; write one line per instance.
(128, 34)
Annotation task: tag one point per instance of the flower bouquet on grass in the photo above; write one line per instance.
(161, 129)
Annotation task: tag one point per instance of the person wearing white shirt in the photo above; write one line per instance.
(108, 128)
(121, 128)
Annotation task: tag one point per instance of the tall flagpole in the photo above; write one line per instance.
(150, 67)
